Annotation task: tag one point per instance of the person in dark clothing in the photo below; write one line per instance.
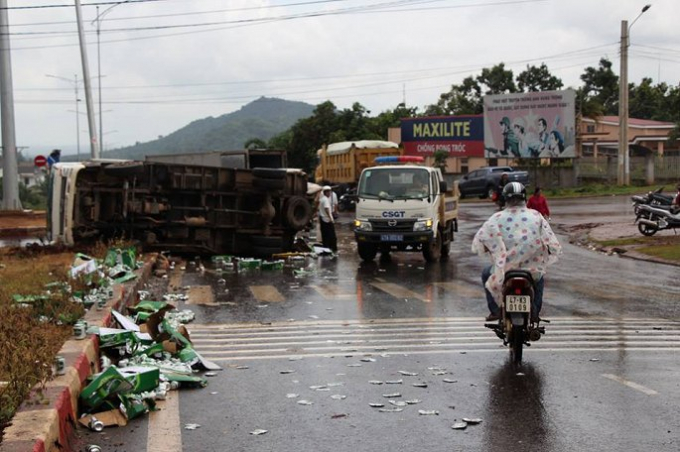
(499, 199)
(53, 158)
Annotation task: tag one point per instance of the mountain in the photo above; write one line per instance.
(263, 119)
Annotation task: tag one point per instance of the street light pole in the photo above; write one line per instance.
(75, 86)
(94, 143)
(623, 174)
(98, 20)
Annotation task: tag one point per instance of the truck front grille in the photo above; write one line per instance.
(399, 226)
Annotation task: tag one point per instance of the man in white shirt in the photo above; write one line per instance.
(326, 220)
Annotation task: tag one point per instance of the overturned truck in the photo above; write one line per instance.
(179, 207)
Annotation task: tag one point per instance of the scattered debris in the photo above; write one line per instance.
(428, 412)
(408, 374)
(394, 382)
(459, 425)
(392, 395)
(376, 405)
(472, 421)
(391, 410)
(338, 397)
(339, 416)
(419, 385)
(191, 426)
(305, 402)
(258, 431)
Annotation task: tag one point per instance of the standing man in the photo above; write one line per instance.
(326, 220)
(53, 158)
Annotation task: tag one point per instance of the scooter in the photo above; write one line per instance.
(651, 219)
(347, 201)
(517, 327)
(653, 198)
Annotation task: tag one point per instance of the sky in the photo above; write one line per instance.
(166, 63)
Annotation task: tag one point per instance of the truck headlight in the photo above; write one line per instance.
(361, 225)
(422, 225)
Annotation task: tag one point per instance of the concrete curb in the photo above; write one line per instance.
(49, 424)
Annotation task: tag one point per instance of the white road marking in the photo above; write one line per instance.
(398, 291)
(267, 294)
(333, 292)
(630, 384)
(165, 431)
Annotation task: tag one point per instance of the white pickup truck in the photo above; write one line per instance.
(405, 208)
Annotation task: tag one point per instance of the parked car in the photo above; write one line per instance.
(483, 181)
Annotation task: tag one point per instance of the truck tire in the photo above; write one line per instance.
(269, 184)
(298, 212)
(432, 251)
(367, 251)
(269, 173)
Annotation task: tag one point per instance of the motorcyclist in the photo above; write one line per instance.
(498, 197)
(516, 238)
(676, 202)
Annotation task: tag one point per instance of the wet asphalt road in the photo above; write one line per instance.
(605, 377)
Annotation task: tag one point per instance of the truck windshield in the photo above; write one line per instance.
(394, 183)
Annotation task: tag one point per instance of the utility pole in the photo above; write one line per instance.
(10, 180)
(94, 143)
(622, 160)
(623, 175)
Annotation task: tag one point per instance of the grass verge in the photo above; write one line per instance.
(663, 247)
(32, 333)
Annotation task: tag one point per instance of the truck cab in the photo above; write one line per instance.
(404, 207)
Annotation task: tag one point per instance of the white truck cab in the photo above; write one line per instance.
(405, 208)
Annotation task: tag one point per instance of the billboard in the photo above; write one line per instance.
(530, 125)
(460, 136)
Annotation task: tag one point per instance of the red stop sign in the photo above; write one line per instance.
(40, 160)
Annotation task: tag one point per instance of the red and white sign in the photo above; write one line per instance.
(40, 160)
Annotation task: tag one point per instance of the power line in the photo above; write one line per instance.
(71, 5)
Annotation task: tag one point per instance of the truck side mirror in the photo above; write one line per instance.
(442, 187)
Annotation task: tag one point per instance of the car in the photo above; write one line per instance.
(482, 182)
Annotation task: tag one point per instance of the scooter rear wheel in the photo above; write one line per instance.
(516, 344)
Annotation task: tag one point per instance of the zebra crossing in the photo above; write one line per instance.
(308, 339)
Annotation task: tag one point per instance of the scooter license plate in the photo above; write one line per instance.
(517, 303)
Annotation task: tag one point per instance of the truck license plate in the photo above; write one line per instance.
(391, 238)
(517, 303)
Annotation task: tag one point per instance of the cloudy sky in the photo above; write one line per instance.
(165, 63)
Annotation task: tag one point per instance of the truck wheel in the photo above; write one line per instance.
(298, 212)
(269, 173)
(432, 251)
(367, 251)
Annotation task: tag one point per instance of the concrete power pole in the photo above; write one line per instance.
(94, 143)
(10, 180)
(622, 161)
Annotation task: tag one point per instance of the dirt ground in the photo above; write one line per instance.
(22, 220)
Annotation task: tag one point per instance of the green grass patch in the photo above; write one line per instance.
(624, 241)
(669, 252)
(600, 190)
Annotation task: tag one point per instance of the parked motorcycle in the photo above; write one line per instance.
(517, 327)
(347, 201)
(653, 198)
(651, 219)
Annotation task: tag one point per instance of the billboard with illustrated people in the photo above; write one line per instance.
(530, 125)
(458, 136)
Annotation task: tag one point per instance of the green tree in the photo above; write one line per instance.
(463, 99)
(538, 79)
(601, 85)
(255, 143)
(390, 118)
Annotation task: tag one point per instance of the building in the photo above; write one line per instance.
(601, 137)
